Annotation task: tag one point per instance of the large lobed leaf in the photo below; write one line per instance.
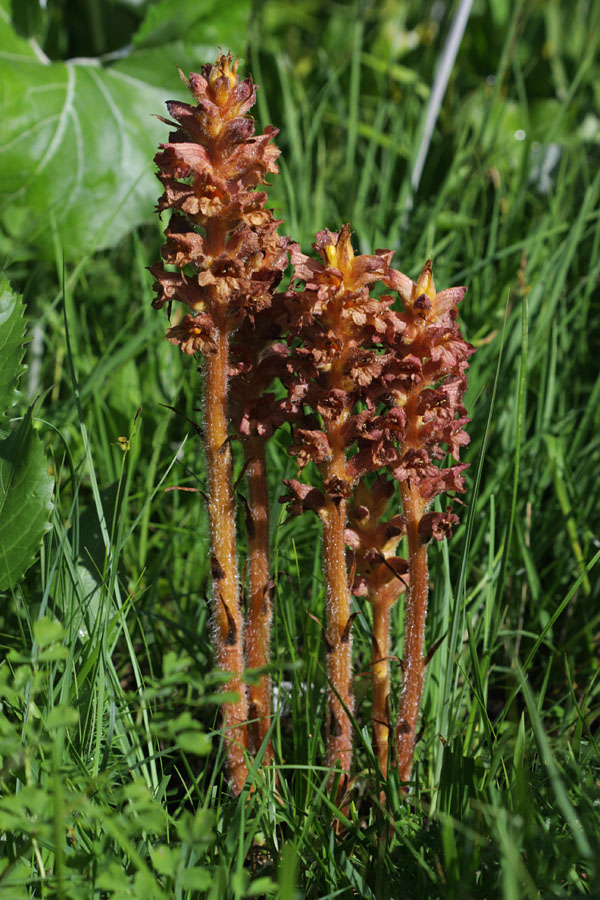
(77, 138)
(12, 336)
(25, 501)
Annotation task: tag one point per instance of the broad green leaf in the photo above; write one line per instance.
(76, 148)
(13, 47)
(77, 139)
(25, 501)
(12, 336)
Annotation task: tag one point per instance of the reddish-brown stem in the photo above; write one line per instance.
(227, 617)
(380, 662)
(339, 625)
(414, 633)
(258, 622)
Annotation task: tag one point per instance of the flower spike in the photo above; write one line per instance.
(425, 377)
(230, 259)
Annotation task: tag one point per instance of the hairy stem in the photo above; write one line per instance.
(227, 617)
(380, 662)
(414, 633)
(258, 623)
(339, 655)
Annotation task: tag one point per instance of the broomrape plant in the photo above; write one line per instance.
(221, 229)
(373, 397)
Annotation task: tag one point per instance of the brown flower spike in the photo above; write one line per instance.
(374, 390)
(425, 379)
(338, 330)
(230, 259)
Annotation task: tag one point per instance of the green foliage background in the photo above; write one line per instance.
(111, 782)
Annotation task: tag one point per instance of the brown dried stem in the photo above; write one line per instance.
(258, 358)
(380, 576)
(339, 626)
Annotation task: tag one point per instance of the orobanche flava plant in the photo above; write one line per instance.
(221, 228)
(373, 396)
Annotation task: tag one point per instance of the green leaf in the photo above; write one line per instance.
(194, 742)
(61, 717)
(210, 23)
(25, 501)
(261, 886)
(195, 879)
(79, 151)
(165, 859)
(189, 735)
(146, 888)
(113, 878)
(77, 139)
(12, 336)
(12, 46)
(197, 830)
(46, 630)
(53, 654)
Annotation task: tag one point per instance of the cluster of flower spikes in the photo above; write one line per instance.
(339, 331)
(387, 386)
(219, 227)
(424, 380)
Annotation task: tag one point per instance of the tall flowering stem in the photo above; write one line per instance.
(425, 377)
(221, 232)
(338, 329)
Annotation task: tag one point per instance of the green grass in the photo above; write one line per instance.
(111, 776)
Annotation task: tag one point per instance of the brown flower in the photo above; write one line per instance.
(209, 169)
